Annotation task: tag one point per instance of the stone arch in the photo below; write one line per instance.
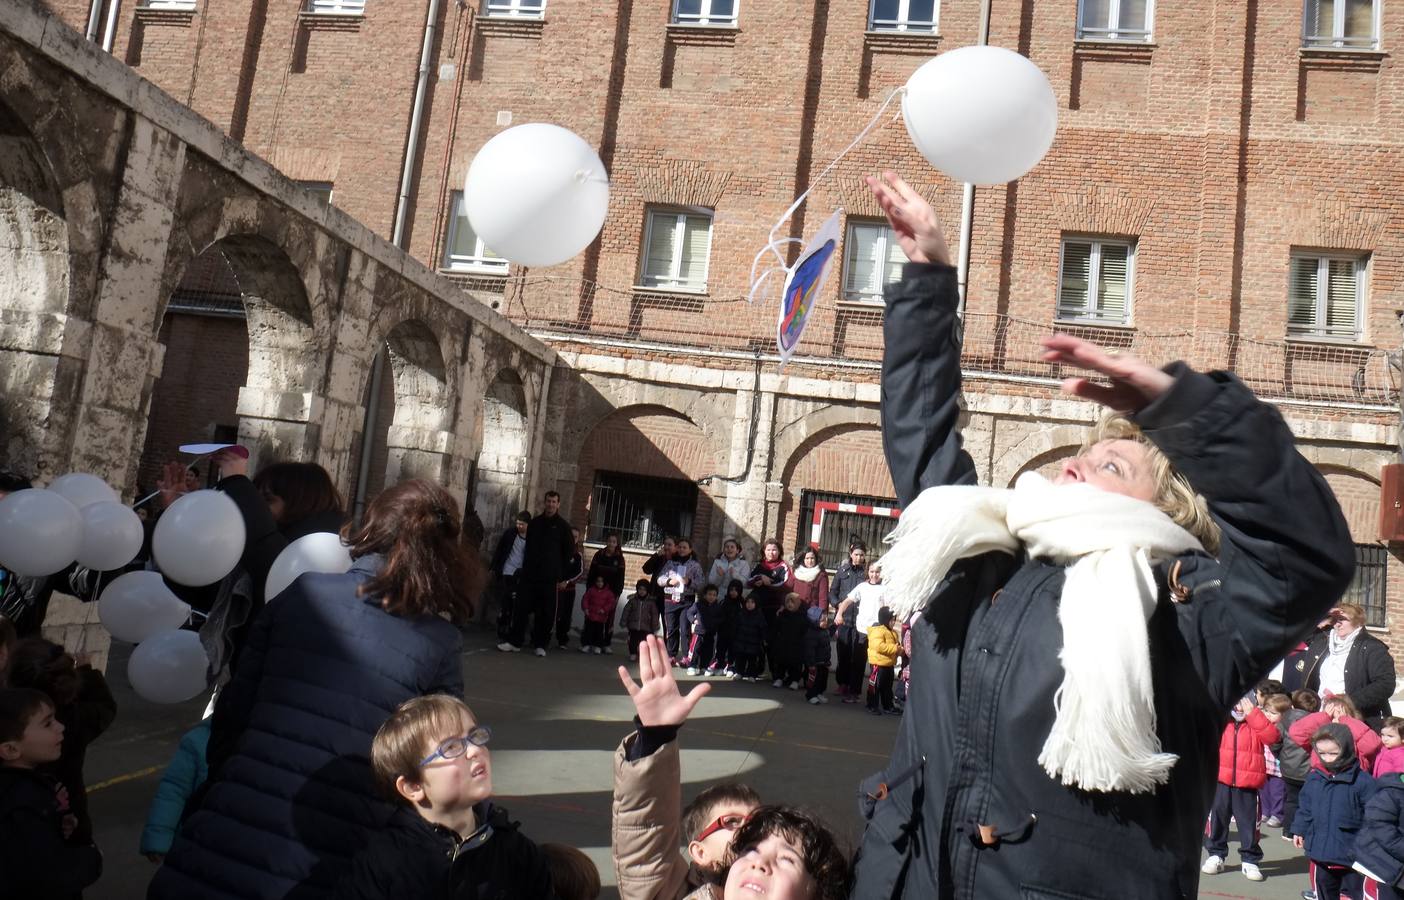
(651, 441)
(34, 280)
(504, 441)
(1036, 449)
(844, 458)
(1047, 464)
(418, 440)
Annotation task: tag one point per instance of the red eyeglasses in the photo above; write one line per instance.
(729, 821)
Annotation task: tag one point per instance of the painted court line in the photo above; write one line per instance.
(130, 776)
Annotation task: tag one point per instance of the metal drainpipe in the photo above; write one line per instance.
(111, 31)
(94, 17)
(967, 198)
(377, 375)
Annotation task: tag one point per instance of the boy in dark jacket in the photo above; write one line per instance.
(447, 839)
(818, 641)
(791, 627)
(1331, 810)
(748, 642)
(704, 620)
(39, 858)
(639, 617)
(1379, 845)
(1242, 771)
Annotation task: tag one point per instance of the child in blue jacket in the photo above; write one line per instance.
(1379, 845)
(1330, 811)
(185, 773)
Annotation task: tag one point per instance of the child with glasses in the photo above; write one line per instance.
(446, 838)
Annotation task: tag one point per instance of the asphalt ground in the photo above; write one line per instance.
(556, 722)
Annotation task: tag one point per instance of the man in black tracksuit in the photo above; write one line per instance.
(964, 809)
(549, 547)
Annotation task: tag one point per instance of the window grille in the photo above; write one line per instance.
(872, 259)
(1367, 586)
(1095, 281)
(676, 247)
(839, 529)
(1341, 24)
(1115, 20)
(464, 251)
(640, 509)
(1326, 296)
(903, 15)
(705, 12)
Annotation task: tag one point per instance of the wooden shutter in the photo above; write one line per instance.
(1342, 296)
(1077, 271)
(662, 244)
(861, 277)
(1111, 283)
(697, 240)
(1301, 296)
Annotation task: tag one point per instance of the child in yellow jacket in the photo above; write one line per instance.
(883, 649)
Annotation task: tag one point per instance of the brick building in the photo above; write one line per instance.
(1225, 187)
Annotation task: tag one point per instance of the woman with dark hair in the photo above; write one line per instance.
(810, 579)
(290, 799)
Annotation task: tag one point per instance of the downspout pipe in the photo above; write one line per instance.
(94, 17)
(110, 33)
(967, 198)
(377, 374)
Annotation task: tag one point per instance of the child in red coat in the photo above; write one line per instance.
(1242, 771)
(598, 603)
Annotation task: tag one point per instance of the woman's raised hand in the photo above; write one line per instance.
(1134, 384)
(912, 218)
(656, 697)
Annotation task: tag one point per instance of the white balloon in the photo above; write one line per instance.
(168, 667)
(984, 115)
(82, 489)
(40, 532)
(111, 536)
(536, 194)
(199, 539)
(139, 605)
(318, 552)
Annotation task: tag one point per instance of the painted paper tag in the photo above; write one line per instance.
(805, 284)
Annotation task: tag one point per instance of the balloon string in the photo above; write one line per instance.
(868, 129)
(156, 493)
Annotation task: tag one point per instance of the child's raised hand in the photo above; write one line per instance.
(656, 697)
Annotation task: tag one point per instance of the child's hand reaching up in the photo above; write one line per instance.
(657, 698)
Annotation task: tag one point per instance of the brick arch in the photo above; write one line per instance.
(826, 418)
(844, 458)
(1359, 496)
(596, 402)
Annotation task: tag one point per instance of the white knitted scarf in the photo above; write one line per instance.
(1104, 736)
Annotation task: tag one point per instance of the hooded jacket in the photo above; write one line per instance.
(1331, 807)
(1367, 743)
(704, 617)
(1379, 844)
(1241, 762)
(749, 636)
(639, 614)
(818, 643)
(791, 626)
(1294, 759)
(986, 668)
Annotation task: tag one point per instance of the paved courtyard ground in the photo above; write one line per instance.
(556, 722)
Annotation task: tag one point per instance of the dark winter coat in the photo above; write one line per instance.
(1379, 844)
(791, 628)
(748, 638)
(611, 567)
(1330, 811)
(412, 859)
(36, 861)
(705, 618)
(265, 538)
(84, 720)
(1241, 760)
(549, 548)
(504, 550)
(770, 596)
(818, 643)
(24, 599)
(985, 674)
(846, 578)
(1369, 673)
(290, 799)
(1294, 760)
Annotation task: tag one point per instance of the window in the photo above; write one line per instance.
(1115, 20)
(902, 15)
(1094, 280)
(872, 258)
(337, 7)
(676, 245)
(705, 12)
(1342, 24)
(522, 9)
(1367, 585)
(839, 527)
(175, 5)
(1326, 296)
(640, 510)
(464, 251)
(322, 190)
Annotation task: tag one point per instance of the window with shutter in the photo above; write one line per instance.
(1325, 296)
(676, 249)
(1111, 283)
(1095, 280)
(338, 7)
(522, 9)
(1115, 20)
(872, 260)
(1341, 24)
(464, 251)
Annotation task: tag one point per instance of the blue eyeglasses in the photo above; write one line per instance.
(455, 747)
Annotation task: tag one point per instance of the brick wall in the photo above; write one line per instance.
(847, 462)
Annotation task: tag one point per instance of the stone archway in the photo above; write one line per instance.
(34, 280)
(504, 436)
(418, 442)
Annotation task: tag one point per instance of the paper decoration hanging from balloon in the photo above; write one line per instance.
(805, 284)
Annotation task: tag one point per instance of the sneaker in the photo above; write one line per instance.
(608, 650)
(586, 649)
(1213, 865)
(540, 651)
(874, 712)
(1252, 872)
(694, 671)
(822, 699)
(562, 645)
(1308, 895)
(735, 677)
(729, 672)
(1273, 822)
(713, 672)
(633, 657)
(814, 701)
(794, 685)
(508, 647)
(753, 679)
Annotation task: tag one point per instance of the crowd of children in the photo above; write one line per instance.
(1316, 769)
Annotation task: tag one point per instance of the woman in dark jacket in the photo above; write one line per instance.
(968, 806)
(1345, 658)
(290, 799)
(608, 562)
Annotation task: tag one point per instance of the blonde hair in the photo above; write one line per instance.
(1348, 707)
(1173, 494)
(1353, 612)
(399, 745)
